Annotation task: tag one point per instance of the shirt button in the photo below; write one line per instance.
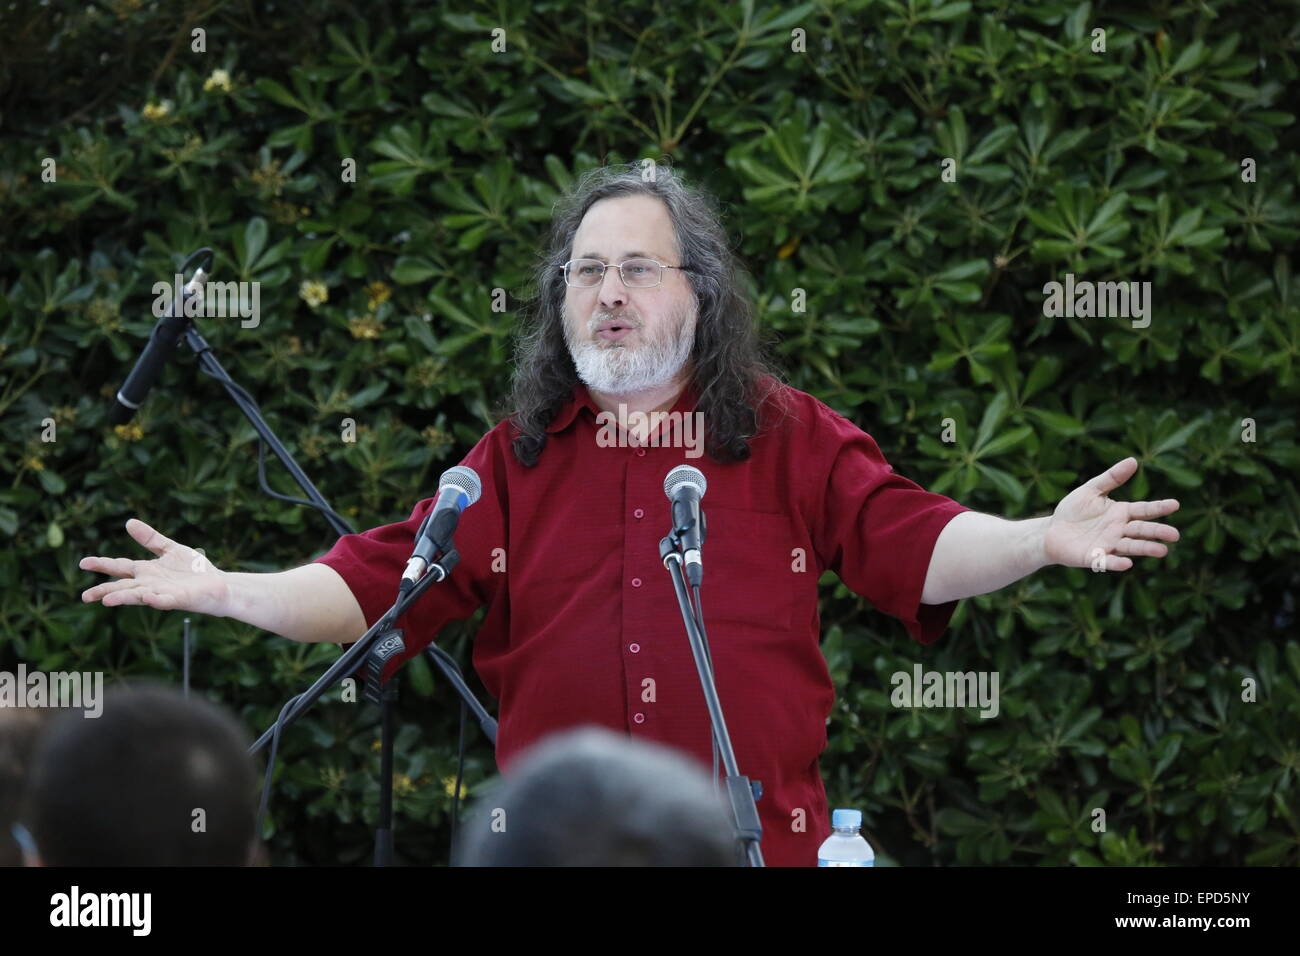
(639, 718)
(634, 648)
(638, 513)
(636, 582)
(640, 452)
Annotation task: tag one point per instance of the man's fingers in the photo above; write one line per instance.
(1153, 509)
(1151, 529)
(155, 541)
(118, 567)
(108, 587)
(1135, 546)
(139, 595)
(126, 596)
(1114, 476)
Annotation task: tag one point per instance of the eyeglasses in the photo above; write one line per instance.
(636, 273)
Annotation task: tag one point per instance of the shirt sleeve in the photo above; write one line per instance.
(372, 562)
(877, 529)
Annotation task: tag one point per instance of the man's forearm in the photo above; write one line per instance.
(978, 553)
(311, 603)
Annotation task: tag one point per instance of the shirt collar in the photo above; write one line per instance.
(581, 398)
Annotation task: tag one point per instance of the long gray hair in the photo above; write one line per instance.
(731, 375)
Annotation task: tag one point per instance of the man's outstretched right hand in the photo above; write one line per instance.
(178, 579)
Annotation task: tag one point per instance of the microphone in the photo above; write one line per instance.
(685, 486)
(162, 342)
(458, 488)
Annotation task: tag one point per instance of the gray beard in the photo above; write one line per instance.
(617, 370)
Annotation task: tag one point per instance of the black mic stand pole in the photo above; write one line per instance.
(348, 663)
(212, 367)
(383, 691)
(208, 362)
(351, 660)
(740, 792)
(386, 694)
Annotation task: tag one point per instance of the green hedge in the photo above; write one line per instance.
(923, 303)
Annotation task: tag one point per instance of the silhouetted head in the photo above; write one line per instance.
(590, 797)
(155, 780)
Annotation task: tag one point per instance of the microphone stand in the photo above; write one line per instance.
(212, 367)
(486, 722)
(382, 691)
(348, 663)
(741, 793)
(381, 688)
(209, 364)
(386, 695)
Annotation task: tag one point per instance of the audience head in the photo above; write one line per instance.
(156, 780)
(590, 797)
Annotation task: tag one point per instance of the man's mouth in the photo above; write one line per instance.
(614, 330)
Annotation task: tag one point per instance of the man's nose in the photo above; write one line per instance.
(612, 290)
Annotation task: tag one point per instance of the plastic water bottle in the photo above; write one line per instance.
(845, 846)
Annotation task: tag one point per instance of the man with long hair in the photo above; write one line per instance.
(642, 320)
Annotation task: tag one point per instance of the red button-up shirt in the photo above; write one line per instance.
(583, 625)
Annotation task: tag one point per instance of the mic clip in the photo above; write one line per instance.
(383, 661)
(441, 568)
(680, 530)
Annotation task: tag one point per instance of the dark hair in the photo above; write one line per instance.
(589, 797)
(731, 376)
(121, 789)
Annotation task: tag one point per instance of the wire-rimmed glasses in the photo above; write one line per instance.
(636, 273)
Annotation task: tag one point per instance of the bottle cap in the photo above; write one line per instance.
(846, 818)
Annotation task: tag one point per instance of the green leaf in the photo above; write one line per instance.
(967, 292)
(1003, 481)
(419, 330)
(255, 234)
(1004, 442)
(1045, 371)
(1108, 211)
(1178, 439)
(1188, 58)
(51, 482)
(411, 269)
(314, 259)
(993, 416)
(367, 395)
(949, 11)
(276, 92)
(964, 270)
(1065, 426)
(994, 144)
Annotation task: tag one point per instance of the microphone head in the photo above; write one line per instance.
(684, 475)
(465, 479)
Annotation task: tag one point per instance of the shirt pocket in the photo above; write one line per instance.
(748, 576)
